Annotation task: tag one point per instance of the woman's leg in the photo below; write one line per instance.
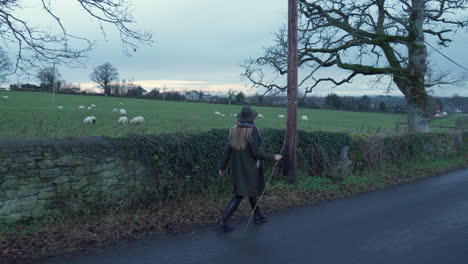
(259, 217)
(230, 209)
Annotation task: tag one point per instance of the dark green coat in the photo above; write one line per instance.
(247, 179)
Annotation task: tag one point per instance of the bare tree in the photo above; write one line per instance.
(47, 77)
(104, 75)
(5, 65)
(371, 38)
(35, 45)
(231, 93)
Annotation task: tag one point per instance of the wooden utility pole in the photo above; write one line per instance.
(291, 133)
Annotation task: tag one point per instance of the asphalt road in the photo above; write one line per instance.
(424, 222)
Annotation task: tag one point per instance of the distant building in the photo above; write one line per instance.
(198, 96)
(192, 96)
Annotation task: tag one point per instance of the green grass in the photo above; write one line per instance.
(32, 115)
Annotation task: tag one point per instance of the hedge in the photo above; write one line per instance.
(187, 163)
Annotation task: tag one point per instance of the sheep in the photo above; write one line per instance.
(89, 120)
(218, 113)
(137, 120)
(81, 107)
(280, 116)
(89, 108)
(121, 103)
(93, 105)
(444, 113)
(437, 115)
(60, 107)
(122, 112)
(260, 115)
(115, 111)
(304, 117)
(5, 97)
(123, 120)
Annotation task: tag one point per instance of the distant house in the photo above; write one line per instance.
(192, 96)
(136, 90)
(197, 96)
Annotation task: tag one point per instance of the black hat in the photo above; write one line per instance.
(247, 114)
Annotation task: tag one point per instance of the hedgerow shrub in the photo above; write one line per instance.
(376, 151)
(187, 163)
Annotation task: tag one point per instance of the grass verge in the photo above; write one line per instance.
(27, 242)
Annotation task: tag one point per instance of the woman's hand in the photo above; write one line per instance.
(278, 157)
(221, 173)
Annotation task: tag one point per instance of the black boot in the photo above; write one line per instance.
(259, 217)
(230, 209)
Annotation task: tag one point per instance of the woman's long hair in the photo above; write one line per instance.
(239, 137)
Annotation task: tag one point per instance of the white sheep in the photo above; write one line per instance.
(123, 120)
(93, 105)
(81, 107)
(137, 120)
(115, 111)
(304, 117)
(260, 115)
(5, 97)
(122, 112)
(89, 108)
(89, 120)
(218, 113)
(60, 107)
(280, 116)
(121, 103)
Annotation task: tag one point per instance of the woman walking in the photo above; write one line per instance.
(246, 165)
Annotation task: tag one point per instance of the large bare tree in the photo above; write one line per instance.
(368, 37)
(36, 45)
(104, 75)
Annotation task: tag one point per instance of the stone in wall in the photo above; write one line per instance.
(46, 177)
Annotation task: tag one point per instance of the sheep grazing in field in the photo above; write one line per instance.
(123, 120)
(60, 107)
(89, 108)
(89, 120)
(304, 117)
(280, 116)
(121, 103)
(5, 97)
(93, 105)
(122, 112)
(137, 120)
(260, 115)
(115, 111)
(81, 107)
(218, 114)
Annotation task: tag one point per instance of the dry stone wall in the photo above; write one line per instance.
(43, 177)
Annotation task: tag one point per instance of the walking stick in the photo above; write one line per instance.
(266, 185)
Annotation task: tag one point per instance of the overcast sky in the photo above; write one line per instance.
(200, 44)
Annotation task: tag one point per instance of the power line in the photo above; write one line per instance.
(445, 56)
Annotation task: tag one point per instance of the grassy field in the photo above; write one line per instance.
(32, 115)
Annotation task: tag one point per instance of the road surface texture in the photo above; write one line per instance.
(422, 222)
